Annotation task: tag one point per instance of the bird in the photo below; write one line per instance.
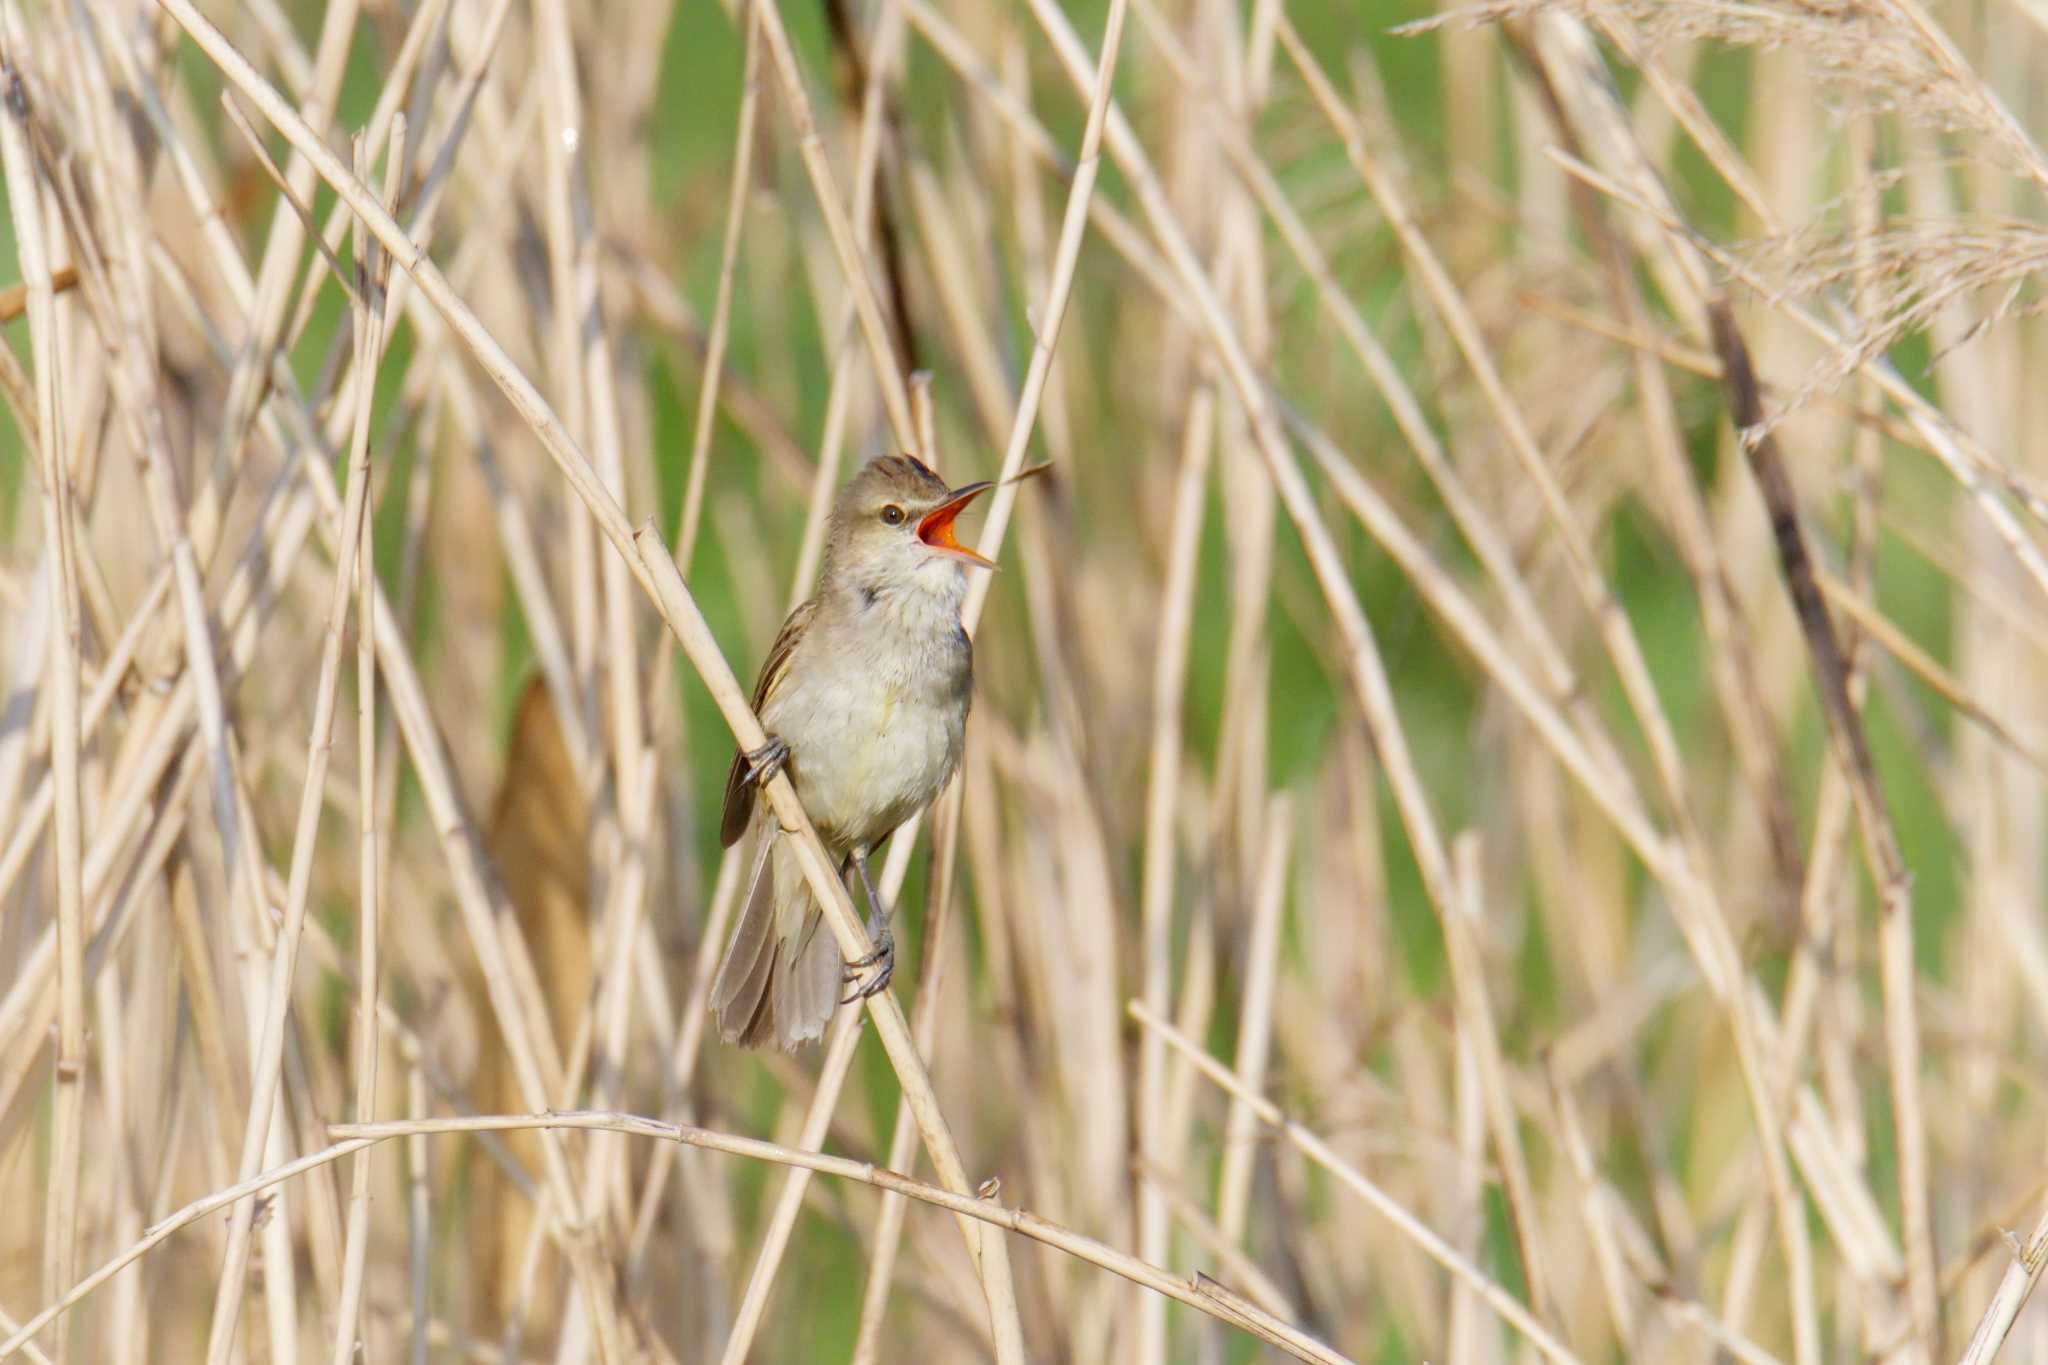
(864, 698)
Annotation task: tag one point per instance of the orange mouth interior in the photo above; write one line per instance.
(936, 530)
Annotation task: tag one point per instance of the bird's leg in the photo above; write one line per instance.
(763, 763)
(883, 958)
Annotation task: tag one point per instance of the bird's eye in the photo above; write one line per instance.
(893, 515)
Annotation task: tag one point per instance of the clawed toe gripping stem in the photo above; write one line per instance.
(763, 763)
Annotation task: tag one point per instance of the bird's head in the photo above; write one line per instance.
(892, 527)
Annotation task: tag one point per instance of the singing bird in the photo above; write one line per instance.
(864, 697)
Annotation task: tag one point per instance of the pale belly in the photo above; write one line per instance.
(871, 752)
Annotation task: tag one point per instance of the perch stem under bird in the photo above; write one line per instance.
(864, 697)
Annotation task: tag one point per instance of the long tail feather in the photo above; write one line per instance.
(779, 980)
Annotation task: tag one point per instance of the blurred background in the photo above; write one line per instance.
(1415, 876)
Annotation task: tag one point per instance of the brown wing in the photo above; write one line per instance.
(739, 792)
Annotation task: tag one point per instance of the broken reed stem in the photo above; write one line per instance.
(2014, 1288)
(14, 297)
(1887, 866)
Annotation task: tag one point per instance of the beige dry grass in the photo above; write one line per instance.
(1504, 815)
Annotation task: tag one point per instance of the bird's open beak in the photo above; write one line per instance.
(936, 530)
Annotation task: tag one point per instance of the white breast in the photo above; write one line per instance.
(876, 731)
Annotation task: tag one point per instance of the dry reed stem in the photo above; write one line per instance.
(428, 21)
(1258, 1286)
(1373, 684)
(1400, 398)
(1982, 477)
(689, 518)
(1700, 361)
(984, 1210)
(1367, 674)
(1595, 1203)
(506, 968)
(844, 1035)
(352, 1138)
(14, 297)
(668, 589)
(28, 1348)
(902, 1149)
(280, 261)
(845, 367)
(1362, 659)
(1058, 291)
(1255, 1022)
(1125, 237)
(1319, 1151)
(1703, 923)
(685, 1051)
(1903, 1049)
(1878, 836)
(2014, 1287)
(342, 276)
(1731, 655)
(126, 803)
(26, 204)
(1587, 101)
(840, 1041)
(1663, 1182)
(115, 291)
(823, 881)
(1052, 310)
(1162, 792)
(1680, 242)
(1880, 629)
(368, 1039)
(852, 262)
(1613, 624)
(269, 1052)
(633, 802)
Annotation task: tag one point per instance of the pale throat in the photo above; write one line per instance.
(924, 601)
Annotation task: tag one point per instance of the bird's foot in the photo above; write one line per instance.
(882, 959)
(763, 763)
